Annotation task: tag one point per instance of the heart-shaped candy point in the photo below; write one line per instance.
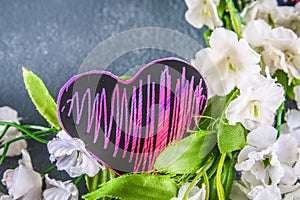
(126, 124)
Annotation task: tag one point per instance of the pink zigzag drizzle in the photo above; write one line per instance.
(187, 103)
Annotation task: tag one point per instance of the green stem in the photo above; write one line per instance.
(236, 22)
(78, 179)
(24, 130)
(279, 118)
(203, 169)
(4, 131)
(206, 181)
(49, 169)
(4, 153)
(206, 117)
(220, 189)
(38, 133)
(236, 91)
(35, 127)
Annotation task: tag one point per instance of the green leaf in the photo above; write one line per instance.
(103, 176)
(207, 35)
(231, 138)
(227, 177)
(235, 19)
(136, 187)
(221, 8)
(283, 80)
(125, 77)
(41, 98)
(186, 155)
(296, 82)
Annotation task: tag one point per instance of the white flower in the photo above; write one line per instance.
(287, 152)
(203, 12)
(279, 47)
(259, 157)
(291, 131)
(195, 193)
(58, 190)
(6, 197)
(262, 9)
(297, 94)
(256, 33)
(291, 192)
(289, 17)
(265, 192)
(23, 182)
(71, 155)
(283, 52)
(10, 115)
(286, 16)
(257, 104)
(240, 189)
(227, 62)
(292, 125)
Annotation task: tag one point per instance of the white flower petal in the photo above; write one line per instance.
(262, 137)
(239, 190)
(72, 156)
(291, 192)
(265, 192)
(14, 148)
(195, 193)
(58, 190)
(262, 9)
(256, 32)
(23, 182)
(202, 13)
(5, 197)
(297, 95)
(257, 104)
(290, 177)
(287, 143)
(221, 64)
(8, 114)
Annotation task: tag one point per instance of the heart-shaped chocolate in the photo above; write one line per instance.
(125, 124)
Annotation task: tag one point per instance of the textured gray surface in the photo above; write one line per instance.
(52, 38)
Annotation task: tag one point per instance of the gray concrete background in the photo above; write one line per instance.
(52, 38)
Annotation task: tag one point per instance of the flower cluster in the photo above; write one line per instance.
(260, 65)
(271, 166)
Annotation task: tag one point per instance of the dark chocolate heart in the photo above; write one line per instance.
(126, 124)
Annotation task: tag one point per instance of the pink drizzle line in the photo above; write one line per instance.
(187, 104)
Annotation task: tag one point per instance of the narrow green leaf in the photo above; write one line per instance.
(41, 98)
(221, 8)
(207, 35)
(186, 155)
(136, 187)
(227, 180)
(213, 188)
(231, 138)
(235, 19)
(103, 176)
